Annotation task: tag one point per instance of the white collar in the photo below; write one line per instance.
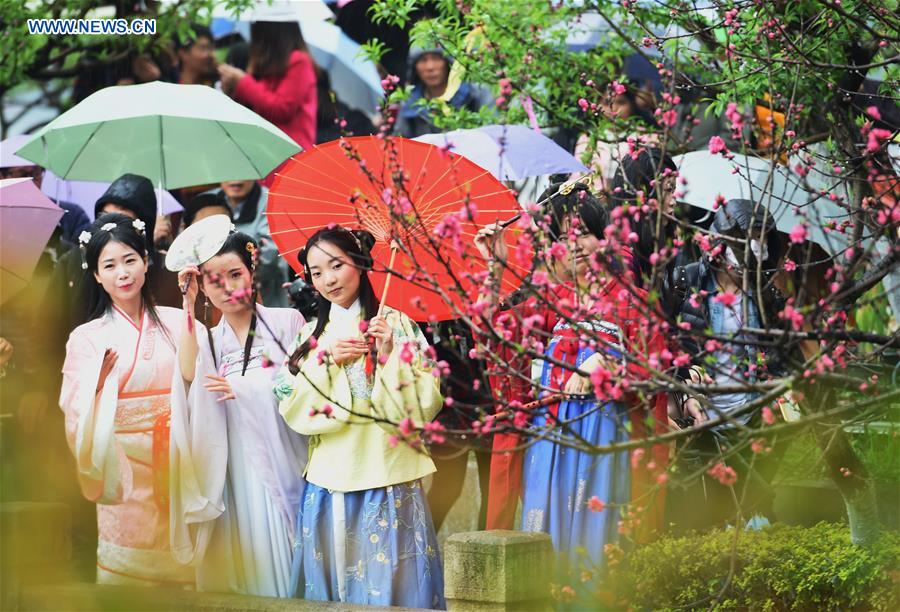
(339, 313)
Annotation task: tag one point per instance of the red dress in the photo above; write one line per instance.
(288, 101)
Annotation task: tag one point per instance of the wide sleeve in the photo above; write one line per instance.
(104, 471)
(286, 100)
(318, 399)
(406, 386)
(198, 459)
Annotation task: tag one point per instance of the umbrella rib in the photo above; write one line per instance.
(80, 151)
(317, 171)
(460, 185)
(231, 138)
(449, 169)
(300, 197)
(419, 175)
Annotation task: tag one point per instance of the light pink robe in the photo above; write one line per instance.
(119, 437)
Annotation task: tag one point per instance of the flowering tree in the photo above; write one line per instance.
(807, 87)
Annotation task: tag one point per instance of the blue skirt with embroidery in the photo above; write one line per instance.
(559, 481)
(374, 547)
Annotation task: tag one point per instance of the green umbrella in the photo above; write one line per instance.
(175, 135)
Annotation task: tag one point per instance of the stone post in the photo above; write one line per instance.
(494, 571)
(35, 546)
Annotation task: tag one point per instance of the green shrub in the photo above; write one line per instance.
(779, 568)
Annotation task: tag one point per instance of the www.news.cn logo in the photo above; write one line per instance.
(99, 27)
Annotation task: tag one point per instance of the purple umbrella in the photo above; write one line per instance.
(27, 219)
(509, 152)
(86, 193)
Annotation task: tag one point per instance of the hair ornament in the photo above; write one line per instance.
(566, 188)
(108, 227)
(84, 237)
(251, 248)
(356, 240)
(139, 226)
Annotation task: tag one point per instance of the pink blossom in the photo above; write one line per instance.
(637, 456)
(595, 505)
(583, 104)
(798, 234)
(768, 416)
(874, 113)
(876, 137)
(726, 298)
(670, 117)
(789, 265)
(617, 88)
(717, 145)
(406, 353)
(794, 316)
(406, 426)
(723, 473)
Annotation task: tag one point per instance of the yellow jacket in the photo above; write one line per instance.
(350, 449)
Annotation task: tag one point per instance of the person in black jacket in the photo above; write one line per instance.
(720, 295)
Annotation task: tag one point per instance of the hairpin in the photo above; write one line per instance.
(251, 248)
(139, 226)
(84, 237)
(108, 227)
(566, 188)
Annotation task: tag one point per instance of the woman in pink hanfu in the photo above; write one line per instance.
(115, 396)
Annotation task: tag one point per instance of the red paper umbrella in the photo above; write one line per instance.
(426, 200)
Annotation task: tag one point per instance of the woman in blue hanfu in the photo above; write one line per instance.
(360, 385)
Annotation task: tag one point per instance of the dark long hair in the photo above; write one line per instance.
(244, 246)
(98, 300)
(643, 173)
(271, 45)
(357, 244)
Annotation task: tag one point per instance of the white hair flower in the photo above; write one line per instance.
(108, 227)
(138, 225)
(84, 237)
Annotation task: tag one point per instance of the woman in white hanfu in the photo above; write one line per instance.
(236, 466)
(115, 395)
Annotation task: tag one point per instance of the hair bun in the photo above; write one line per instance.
(366, 240)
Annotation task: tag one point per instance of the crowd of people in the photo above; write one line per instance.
(236, 428)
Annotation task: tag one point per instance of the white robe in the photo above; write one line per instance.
(236, 467)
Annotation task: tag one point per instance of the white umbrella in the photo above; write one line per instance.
(781, 190)
(354, 79)
(277, 10)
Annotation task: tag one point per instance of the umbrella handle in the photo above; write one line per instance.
(387, 283)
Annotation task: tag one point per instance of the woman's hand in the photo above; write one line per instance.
(110, 358)
(381, 331)
(692, 407)
(489, 242)
(582, 385)
(6, 351)
(219, 384)
(189, 275)
(347, 350)
(229, 75)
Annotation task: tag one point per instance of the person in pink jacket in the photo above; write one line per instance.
(280, 82)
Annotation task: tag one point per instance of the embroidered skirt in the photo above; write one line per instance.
(373, 547)
(558, 482)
